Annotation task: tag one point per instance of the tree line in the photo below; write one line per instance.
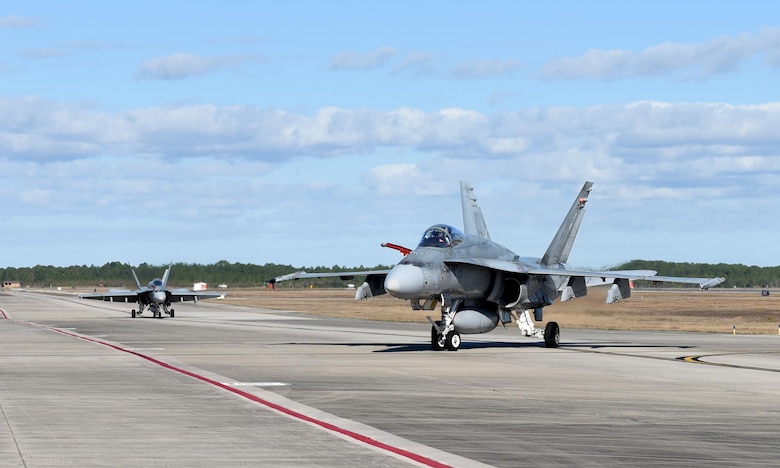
(117, 274)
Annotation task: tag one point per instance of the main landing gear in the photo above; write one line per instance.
(154, 308)
(444, 336)
(551, 333)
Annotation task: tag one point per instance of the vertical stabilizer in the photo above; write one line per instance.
(560, 247)
(138, 283)
(165, 276)
(473, 221)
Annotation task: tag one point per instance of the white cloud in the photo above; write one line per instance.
(420, 63)
(656, 166)
(17, 22)
(184, 65)
(653, 139)
(417, 63)
(42, 53)
(40, 130)
(700, 60)
(362, 60)
(482, 69)
(407, 179)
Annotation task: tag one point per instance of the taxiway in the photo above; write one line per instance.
(83, 384)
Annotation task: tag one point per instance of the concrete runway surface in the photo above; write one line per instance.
(83, 384)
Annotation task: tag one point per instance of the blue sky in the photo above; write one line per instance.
(307, 133)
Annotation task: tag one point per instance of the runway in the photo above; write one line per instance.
(83, 384)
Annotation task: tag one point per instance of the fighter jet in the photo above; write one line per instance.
(478, 283)
(155, 295)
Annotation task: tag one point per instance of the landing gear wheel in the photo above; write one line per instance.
(453, 341)
(132, 313)
(437, 341)
(552, 335)
(171, 313)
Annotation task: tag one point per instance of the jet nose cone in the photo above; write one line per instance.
(159, 296)
(405, 281)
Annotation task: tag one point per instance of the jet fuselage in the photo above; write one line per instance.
(155, 293)
(438, 268)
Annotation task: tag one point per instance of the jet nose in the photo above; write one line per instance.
(159, 296)
(405, 281)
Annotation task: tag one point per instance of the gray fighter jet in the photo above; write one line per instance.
(479, 283)
(155, 295)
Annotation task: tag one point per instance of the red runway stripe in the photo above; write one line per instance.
(281, 409)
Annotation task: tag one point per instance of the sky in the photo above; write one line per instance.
(308, 133)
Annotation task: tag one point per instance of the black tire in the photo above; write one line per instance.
(132, 313)
(453, 341)
(171, 313)
(435, 345)
(552, 335)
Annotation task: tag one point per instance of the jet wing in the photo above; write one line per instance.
(345, 275)
(185, 295)
(637, 275)
(373, 286)
(113, 295)
(594, 277)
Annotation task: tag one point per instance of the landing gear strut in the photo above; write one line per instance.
(437, 339)
(443, 334)
(551, 333)
(141, 307)
(156, 309)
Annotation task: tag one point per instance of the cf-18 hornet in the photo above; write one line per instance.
(155, 295)
(478, 283)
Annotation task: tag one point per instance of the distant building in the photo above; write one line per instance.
(11, 284)
(200, 286)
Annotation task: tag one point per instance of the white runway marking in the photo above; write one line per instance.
(256, 384)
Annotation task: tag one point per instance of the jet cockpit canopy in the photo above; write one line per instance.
(441, 235)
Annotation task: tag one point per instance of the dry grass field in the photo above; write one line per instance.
(716, 311)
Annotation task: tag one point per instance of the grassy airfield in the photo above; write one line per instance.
(714, 311)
